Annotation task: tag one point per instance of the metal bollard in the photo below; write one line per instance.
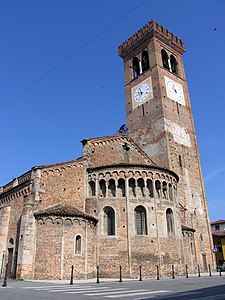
(220, 274)
(120, 274)
(173, 277)
(97, 281)
(186, 271)
(5, 277)
(140, 279)
(71, 277)
(157, 272)
(210, 273)
(199, 274)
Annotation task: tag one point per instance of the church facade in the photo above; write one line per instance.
(133, 199)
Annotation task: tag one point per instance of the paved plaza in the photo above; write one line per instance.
(208, 288)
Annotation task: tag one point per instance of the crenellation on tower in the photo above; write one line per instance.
(148, 31)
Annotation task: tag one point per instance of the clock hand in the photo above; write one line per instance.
(140, 91)
(174, 89)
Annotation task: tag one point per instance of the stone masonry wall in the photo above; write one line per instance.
(62, 183)
(55, 248)
(113, 150)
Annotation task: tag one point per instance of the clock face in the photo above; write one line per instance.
(141, 93)
(174, 91)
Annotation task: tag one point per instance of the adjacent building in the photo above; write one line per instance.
(218, 233)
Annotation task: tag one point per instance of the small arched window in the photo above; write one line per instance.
(109, 221)
(11, 241)
(140, 185)
(180, 160)
(192, 249)
(112, 188)
(102, 187)
(165, 59)
(132, 191)
(78, 244)
(140, 220)
(170, 192)
(136, 67)
(145, 61)
(164, 188)
(121, 188)
(158, 187)
(173, 64)
(150, 187)
(92, 191)
(169, 221)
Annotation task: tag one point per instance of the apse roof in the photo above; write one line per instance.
(64, 210)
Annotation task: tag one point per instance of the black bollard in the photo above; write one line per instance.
(220, 274)
(140, 279)
(5, 277)
(157, 272)
(97, 274)
(186, 271)
(210, 273)
(173, 277)
(199, 274)
(71, 277)
(120, 274)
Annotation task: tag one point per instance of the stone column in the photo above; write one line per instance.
(128, 224)
(4, 226)
(26, 251)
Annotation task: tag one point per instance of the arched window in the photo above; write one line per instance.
(92, 191)
(112, 188)
(140, 220)
(121, 188)
(132, 192)
(136, 67)
(78, 244)
(102, 188)
(173, 64)
(140, 186)
(11, 241)
(164, 189)
(109, 221)
(165, 59)
(150, 187)
(158, 188)
(145, 61)
(169, 221)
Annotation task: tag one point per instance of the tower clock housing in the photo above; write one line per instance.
(159, 119)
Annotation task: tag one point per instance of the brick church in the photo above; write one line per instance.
(133, 199)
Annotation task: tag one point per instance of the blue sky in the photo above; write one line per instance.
(61, 79)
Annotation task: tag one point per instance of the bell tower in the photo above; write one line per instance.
(159, 119)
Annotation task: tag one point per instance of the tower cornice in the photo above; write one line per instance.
(148, 31)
